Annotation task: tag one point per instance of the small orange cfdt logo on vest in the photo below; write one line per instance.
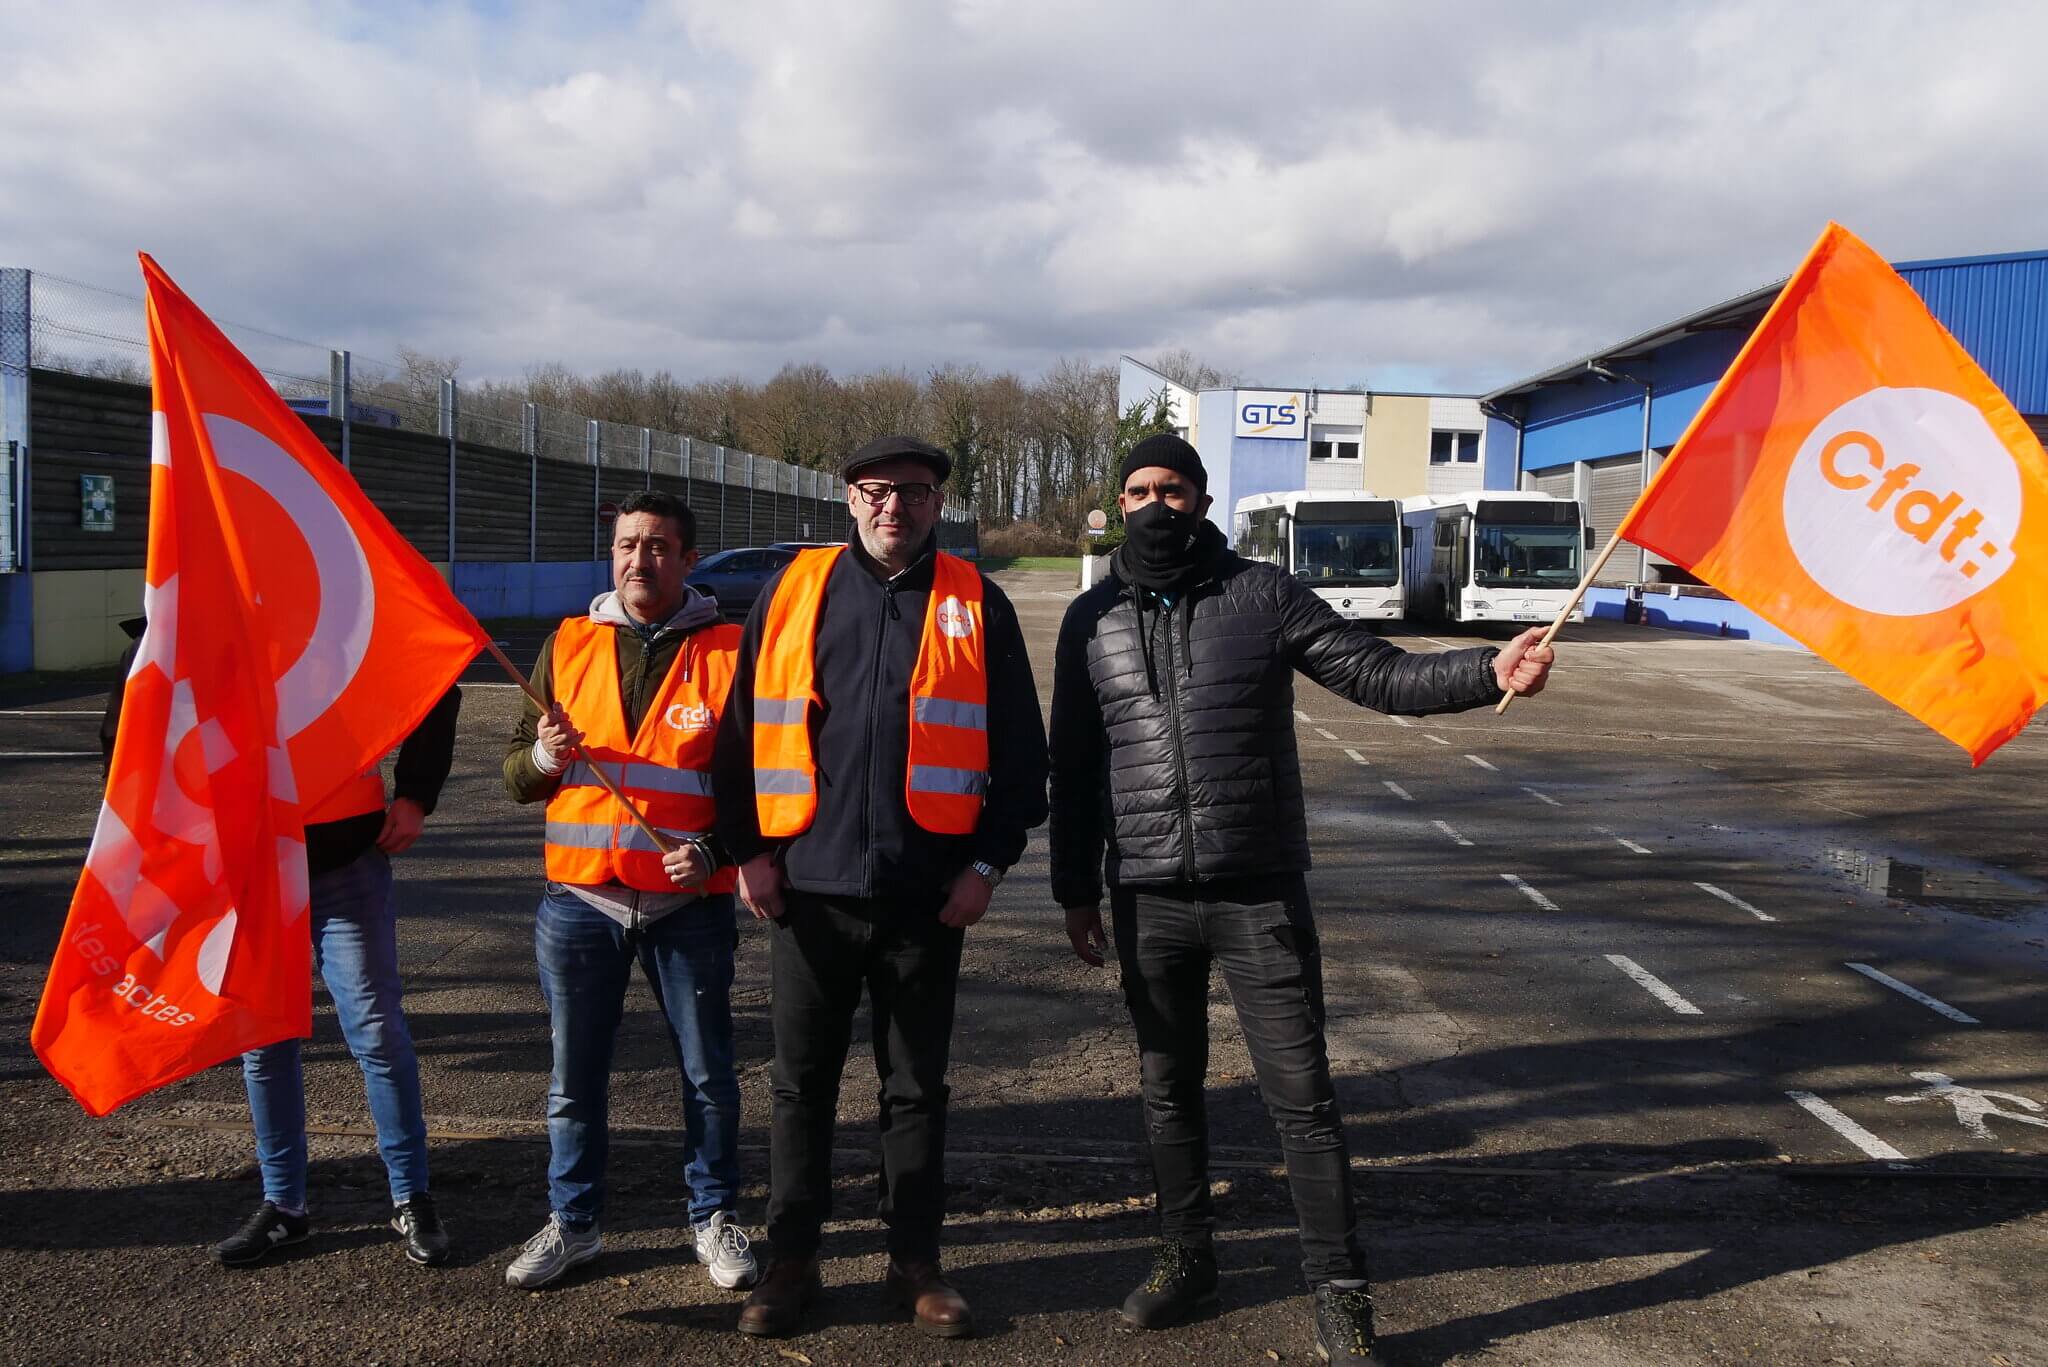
(955, 620)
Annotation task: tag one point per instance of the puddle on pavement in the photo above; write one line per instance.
(1965, 887)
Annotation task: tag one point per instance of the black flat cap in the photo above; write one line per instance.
(898, 447)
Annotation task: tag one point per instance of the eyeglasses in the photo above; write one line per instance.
(876, 492)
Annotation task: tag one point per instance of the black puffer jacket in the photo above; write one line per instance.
(1173, 726)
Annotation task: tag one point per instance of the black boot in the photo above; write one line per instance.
(1183, 1280)
(1344, 1324)
(426, 1238)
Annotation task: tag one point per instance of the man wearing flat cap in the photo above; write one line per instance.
(1173, 744)
(879, 765)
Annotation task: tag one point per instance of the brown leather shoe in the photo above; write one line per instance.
(776, 1307)
(922, 1289)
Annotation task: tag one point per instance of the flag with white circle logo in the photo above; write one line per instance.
(294, 637)
(1860, 482)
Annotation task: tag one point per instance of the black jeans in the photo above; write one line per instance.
(1261, 933)
(823, 951)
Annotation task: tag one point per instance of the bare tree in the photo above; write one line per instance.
(1185, 369)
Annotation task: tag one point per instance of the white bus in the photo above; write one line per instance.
(1493, 555)
(1343, 543)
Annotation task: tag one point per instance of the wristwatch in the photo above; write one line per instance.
(989, 872)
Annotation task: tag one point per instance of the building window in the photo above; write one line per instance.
(1332, 450)
(1446, 447)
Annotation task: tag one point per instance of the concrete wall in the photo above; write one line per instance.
(77, 615)
(1397, 445)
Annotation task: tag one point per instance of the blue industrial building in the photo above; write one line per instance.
(1596, 427)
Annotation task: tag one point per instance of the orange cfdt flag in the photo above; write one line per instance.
(293, 638)
(1859, 481)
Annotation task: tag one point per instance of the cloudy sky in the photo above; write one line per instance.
(1407, 196)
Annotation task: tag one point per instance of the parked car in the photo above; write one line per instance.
(736, 577)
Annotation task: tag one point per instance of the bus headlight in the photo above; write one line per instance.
(1475, 605)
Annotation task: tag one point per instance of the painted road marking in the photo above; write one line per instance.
(1654, 985)
(1301, 714)
(49, 754)
(1438, 739)
(1400, 721)
(1625, 844)
(1538, 898)
(1973, 1105)
(1355, 755)
(1863, 1139)
(1482, 764)
(54, 712)
(1915, 993)
(1543, 797)
(1326, 735)
(1448, 830)
(1397, 790)
(1732, 900)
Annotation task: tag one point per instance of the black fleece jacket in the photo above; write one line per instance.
(863, 842)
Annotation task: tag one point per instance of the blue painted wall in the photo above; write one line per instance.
(1997, 308)
(17, 623)
(1706, 616)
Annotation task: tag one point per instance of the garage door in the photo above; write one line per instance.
(1557, 483)
(1615, 483)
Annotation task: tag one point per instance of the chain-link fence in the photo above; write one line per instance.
(72, 328)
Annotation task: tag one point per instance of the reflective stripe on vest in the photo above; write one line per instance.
(664, 769)
(645, 777)
(947, 769)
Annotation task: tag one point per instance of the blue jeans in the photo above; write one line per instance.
(355, 948)
(585, 958)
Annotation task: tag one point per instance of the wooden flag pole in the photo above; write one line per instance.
(1599, 564)
(661, 842)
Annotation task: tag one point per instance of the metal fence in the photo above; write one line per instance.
(69, 328)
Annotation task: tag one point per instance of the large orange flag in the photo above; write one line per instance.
(1859, 481)
(293, 638)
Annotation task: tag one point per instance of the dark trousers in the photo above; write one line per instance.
(1260, 932)
(822, 952)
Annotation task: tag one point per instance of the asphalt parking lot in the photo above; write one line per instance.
(1691, 1012)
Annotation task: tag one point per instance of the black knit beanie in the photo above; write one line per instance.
(1168, 452)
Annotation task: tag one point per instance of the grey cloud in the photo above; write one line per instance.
(1309, 192)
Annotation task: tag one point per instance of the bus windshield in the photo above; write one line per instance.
(1346, 545)
(1511, 555)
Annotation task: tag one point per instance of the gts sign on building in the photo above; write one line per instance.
(1272, 414)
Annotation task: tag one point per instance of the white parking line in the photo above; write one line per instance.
(1543, 797)
(1447, 829)
(1400, 721)
(1538, 898)
(1326, 735)
(1843, 1126)
(1397, 790)
(1931, 1003)
(1732, 900)
(1482, 764)
(49, 754)
(53, 712)
(1355, 755)
(1301, 714)
(1438, 739)
(1654, 985)
(1625, 844)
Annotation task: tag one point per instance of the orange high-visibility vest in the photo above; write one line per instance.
(665, 769)
(359, 796)
(947, 771)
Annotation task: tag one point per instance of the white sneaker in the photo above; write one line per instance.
(550, 1253)
(727, 1253)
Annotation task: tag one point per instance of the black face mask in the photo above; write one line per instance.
(1159, 545)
